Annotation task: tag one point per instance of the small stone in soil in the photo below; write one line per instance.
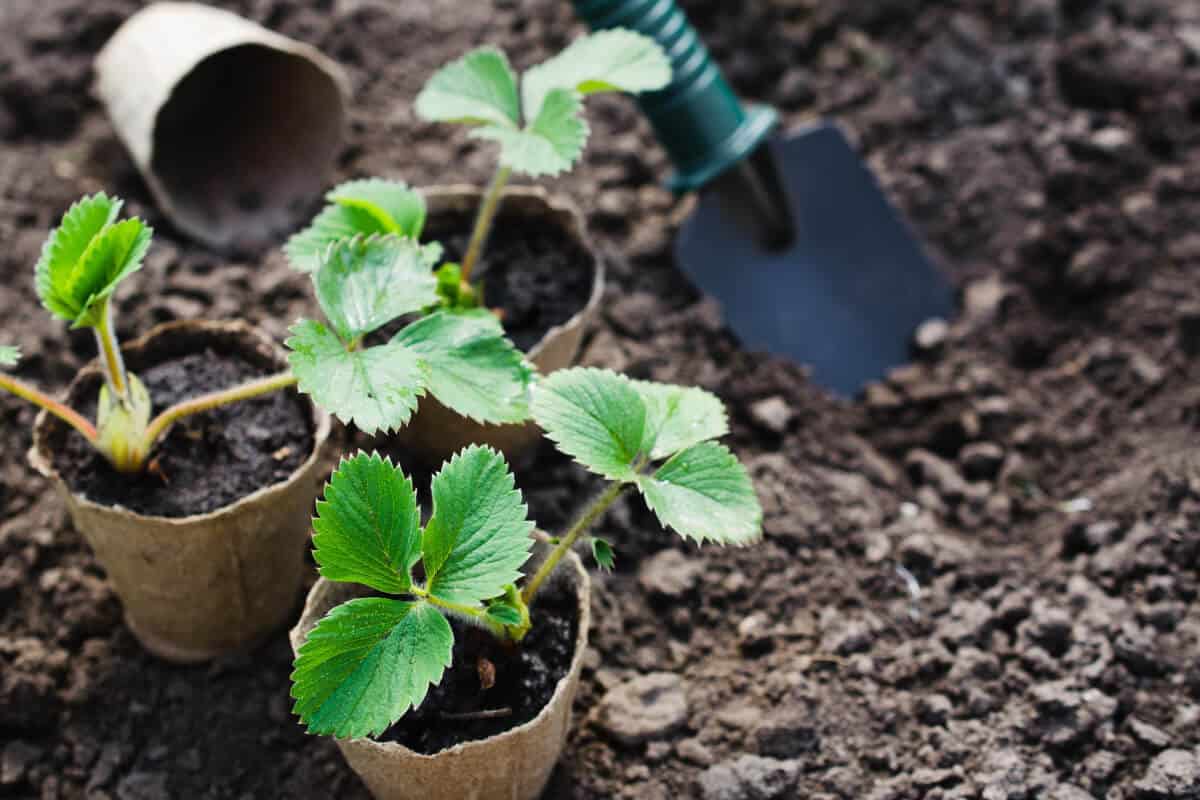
(1172, 775)
(772, 413)
(645, 708)
(669, 574)
(749, 777)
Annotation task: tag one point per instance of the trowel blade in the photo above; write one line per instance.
(846, 296)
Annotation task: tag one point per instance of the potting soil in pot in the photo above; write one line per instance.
(535, 275)
(463, 707)
(207, 461)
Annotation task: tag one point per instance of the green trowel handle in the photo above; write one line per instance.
(698, 119)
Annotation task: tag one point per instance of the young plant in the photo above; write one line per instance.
(83, 262)
(462, 359)
(370, 660)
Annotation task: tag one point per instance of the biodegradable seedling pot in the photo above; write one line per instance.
(233, 127)
(435, 432)
(197, 587)
(514, 765)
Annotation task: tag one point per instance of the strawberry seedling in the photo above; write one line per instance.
(370, 660)
(83, 262)
(537, 120)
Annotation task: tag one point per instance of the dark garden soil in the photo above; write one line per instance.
(488, 677)
(207, 461)
(1032, 473)
(535, 276)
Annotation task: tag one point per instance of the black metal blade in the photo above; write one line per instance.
(846, 295)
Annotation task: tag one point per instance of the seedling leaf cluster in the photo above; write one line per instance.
(370, 660)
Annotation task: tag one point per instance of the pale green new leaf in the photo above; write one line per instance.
(549, 145)
(367, 663)
(363, 207)
(473, 368)
(86, 257)
(605, 61)
(504, 613)
(705, 494)
(480, 88)
(375, 388)
(9, 355)
(365, 283)
(368, 526)
(678, 417)
(595, 416)
(479, 535)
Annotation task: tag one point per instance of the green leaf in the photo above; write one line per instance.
(9, 355)
(473, 369)
(479, 535)
(363, 207)
(605, 61)
(393, 204)
(602, 551)
(551, 144)
(365, 283)
(705, 494)
(479, 89)
(367, 663)
(86, 257)
(678, 417)
(368, 527)
(504, 613)
(595, 416)
(376, 388)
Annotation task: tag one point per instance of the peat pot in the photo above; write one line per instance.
(234, 127)
(513, 765)
(197, 587)
(435, 433)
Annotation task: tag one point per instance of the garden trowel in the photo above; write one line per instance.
(791, 233)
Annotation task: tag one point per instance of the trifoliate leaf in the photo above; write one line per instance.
(375, 388)
(704, 494)
(367, 663)
(364, 208)
(602, 551)
(605, 61)
(368, 527)
(480, 88)
(549, 145)
(479, 535)
(86, 257)
(504, 613)
(678, 417)
(365, 283)
(595, 416)
(9, 355)
(473, 369)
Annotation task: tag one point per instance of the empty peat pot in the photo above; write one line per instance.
(514, 765)
(233, 127)
(436, 433)
(197, 587)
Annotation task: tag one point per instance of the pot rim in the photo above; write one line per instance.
(322, 424)
(583, 595)
(558, 205)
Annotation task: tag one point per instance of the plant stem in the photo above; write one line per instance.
(67, 415)
(581, 526)
(473, 612)
(247, 391)
(483, 221)
(110, 356)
